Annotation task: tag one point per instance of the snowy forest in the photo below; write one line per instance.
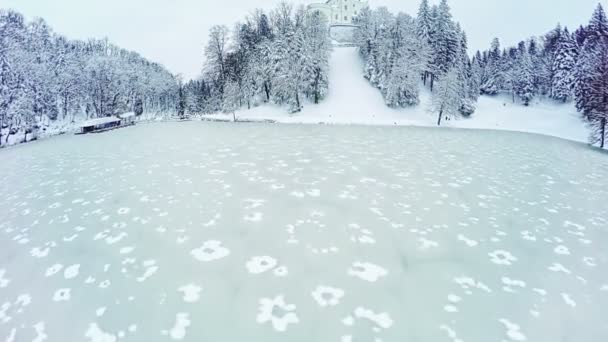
(46, 78)
(281, 57)
(401, 51)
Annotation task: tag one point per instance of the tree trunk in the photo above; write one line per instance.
(432, 81)
(439, 118)
(602, 132)
(267, 91)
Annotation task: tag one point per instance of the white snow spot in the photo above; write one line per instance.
(123, 211)
(209, 251)
(557, 267)
(468, 282)
(150, 270)
(383, 319)
(253, 217)
(38, 252)
(452, 298)
(327, 296)
(191, 293)
(126, 250)
(40, 334)
(313, 192)
(3, 281)
(24, 300)
(95, 334)
(62, 295)
(71, 271)
(178, 332)
(562, 250)
(450, 308)
(467, 241)
(569, 301)
(451, 333)
(277, 312)
(260, 264)
(100, 311)
(513, 330)
(280, 271)
(501, 257)
(426, 243)
(512, 282)
(367, 271)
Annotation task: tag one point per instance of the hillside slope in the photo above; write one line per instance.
(352, 100)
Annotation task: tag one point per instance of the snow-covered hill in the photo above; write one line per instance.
(352, 100)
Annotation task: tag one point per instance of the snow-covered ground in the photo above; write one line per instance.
(352, 100)
(259, 232)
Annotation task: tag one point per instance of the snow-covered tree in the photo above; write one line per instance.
(524, 82)
(563, 68)
(592, 77)
(446, 100)
(492, 77)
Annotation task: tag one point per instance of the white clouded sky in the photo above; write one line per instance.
(173, 32)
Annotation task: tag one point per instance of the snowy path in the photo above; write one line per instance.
(352, 100)
(303, 233)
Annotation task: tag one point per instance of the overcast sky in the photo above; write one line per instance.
(173, 32)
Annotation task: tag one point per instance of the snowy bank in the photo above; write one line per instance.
(352, 100)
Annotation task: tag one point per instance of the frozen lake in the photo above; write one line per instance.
(221, 232)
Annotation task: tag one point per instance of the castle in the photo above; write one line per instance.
(339, 12)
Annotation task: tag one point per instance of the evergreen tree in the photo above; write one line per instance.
(592, 77)
(491, 80)
(524, 84)
(424, 28)
(444, 42)
(563, 68)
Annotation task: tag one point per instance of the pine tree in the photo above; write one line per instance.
(491, 80)
(424, 24)
(524, 84)
(592, 77)
(444, 42)
(318, 46)
(563, 68)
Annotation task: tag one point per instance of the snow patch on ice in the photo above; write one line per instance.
(367, 271)
(277, 312)
(210, 250)
(191, 293)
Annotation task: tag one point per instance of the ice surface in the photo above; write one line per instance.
(190, 231)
